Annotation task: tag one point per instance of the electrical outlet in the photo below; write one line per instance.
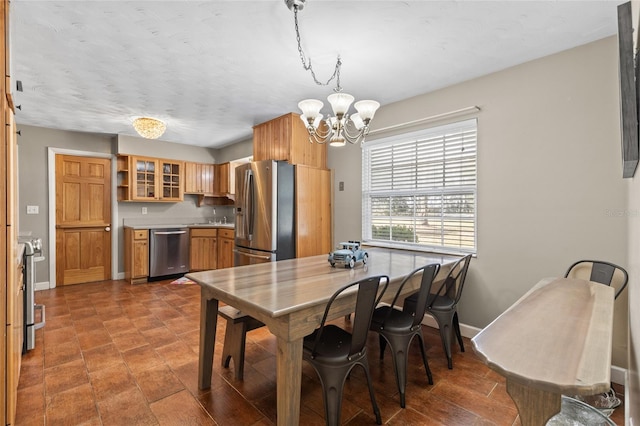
(144, 210)
(33, 209)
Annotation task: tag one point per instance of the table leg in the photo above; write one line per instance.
(208, 323)
(289, 371)
(535, 406)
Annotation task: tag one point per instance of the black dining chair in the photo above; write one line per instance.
(399, 327)
(600, 272)
(443, 305)
(334, 352)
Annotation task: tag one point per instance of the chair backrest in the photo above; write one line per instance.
(454, 281)
(600, 272)
(368, 291)
(428, 273)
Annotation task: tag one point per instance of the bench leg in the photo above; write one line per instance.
(234, 341)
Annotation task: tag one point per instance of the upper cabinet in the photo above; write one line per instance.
(199, 178)
(213, 183)
(286, 138)
(150, 179)
(222, 182)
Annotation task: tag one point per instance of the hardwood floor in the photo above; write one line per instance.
(116, 354)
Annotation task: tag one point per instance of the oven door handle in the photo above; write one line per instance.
(170, 232)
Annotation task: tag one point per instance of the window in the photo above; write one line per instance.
(419, 189)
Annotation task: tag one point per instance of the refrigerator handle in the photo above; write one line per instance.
(251, 204)
(246, 204)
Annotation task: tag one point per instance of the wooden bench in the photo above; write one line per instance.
(554, 340)
(235, 337)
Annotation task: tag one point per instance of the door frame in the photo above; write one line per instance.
(51, 173)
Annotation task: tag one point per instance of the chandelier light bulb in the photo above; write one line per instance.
(367, 109)
(340, 103)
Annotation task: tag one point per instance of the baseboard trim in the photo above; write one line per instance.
(44, 285)
(465, 330)
(618, 374)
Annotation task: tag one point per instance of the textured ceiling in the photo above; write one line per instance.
(213, 69)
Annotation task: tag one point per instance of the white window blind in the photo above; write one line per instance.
(419, 189)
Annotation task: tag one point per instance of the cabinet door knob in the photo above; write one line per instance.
(107, 228)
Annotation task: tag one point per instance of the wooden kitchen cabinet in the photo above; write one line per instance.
(15, 334)
(286, 138)
(11, 290)
(313, 211)
(222, 179)
(150, 179)
(199, 178)
(203, 250)
(225, 247)
(136, 255)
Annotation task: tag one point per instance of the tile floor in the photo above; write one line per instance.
(116, 354)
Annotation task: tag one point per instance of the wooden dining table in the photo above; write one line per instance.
(555, 340)
(289, 297)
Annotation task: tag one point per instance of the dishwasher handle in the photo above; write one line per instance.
(169, 232)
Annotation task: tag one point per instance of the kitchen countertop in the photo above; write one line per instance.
(191, 225)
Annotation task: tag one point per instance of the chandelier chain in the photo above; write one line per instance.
(307, 65)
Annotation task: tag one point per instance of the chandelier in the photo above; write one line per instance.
(342, 127)
(149, 128)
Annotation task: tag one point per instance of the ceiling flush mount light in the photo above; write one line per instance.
(341, 127)
(149, 128)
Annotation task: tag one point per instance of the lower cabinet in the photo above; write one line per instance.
(225, 248)
(136, 255)
(211, 248)
(203, 250)
(14, 336)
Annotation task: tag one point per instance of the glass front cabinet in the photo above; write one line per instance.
(150, 179)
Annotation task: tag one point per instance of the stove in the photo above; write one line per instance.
(32, 254)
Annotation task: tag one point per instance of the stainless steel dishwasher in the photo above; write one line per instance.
(168, 252)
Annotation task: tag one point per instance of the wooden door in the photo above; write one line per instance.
(83, 219)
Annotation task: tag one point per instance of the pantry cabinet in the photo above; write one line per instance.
(11, 266)
(286, 138)
(150, 179)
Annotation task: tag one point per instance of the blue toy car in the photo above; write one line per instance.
(349, 253)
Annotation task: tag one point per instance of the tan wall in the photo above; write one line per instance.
(550, 184)
(633, 388)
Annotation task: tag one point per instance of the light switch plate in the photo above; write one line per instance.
(33, 209)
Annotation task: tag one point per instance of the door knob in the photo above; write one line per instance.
(107, 228)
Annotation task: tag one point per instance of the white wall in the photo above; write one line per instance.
(550, 181)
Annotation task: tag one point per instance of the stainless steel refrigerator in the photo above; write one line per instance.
(265, 208)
